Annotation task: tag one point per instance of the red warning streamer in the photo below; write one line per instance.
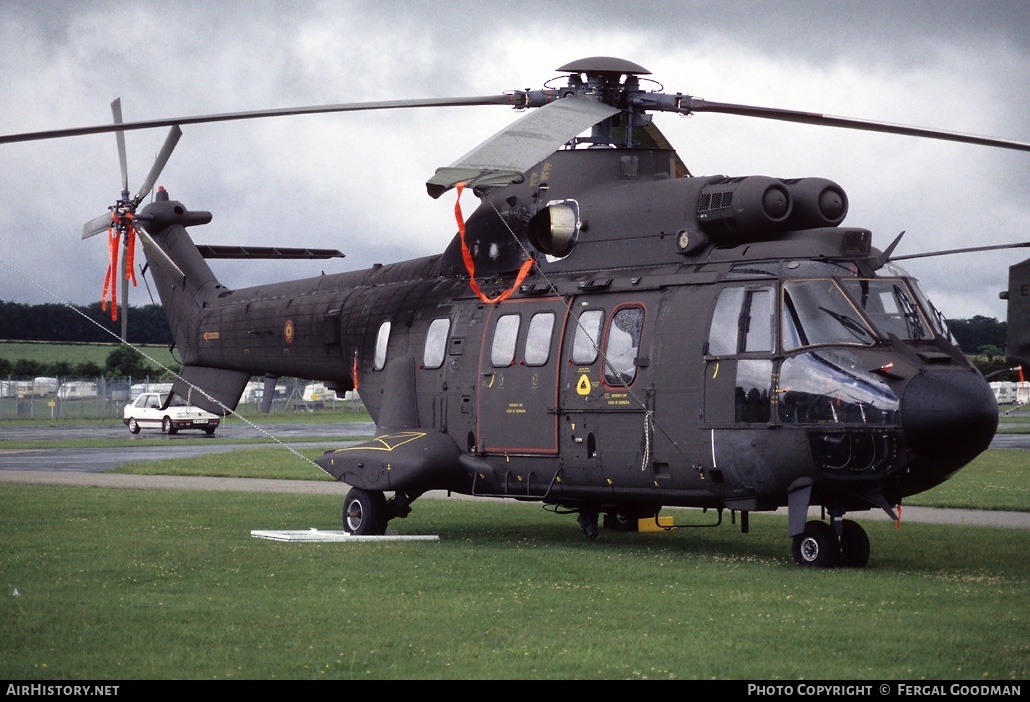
(111, 279)
(470, 265)
(118, 224)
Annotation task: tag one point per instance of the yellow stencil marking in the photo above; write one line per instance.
(583, 386)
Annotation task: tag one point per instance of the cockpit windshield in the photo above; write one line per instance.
(818, 312)
(856, 311)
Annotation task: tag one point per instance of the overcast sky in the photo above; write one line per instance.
(356, 181)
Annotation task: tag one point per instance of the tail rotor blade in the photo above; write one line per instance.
(116, 110)
(162, 158)
(155, 254)
(96, 225)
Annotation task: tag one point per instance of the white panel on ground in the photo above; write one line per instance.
(323, 536)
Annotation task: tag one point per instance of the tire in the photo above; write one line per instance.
(817, 546)
(854, 545)
(210, 431)
(621, 520)
(133, 426)
(167, 427)
(364, 513)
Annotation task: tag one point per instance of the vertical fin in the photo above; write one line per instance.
(1017, 345)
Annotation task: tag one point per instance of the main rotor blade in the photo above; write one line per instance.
(962, 251)
(699, 105)
(515, 149)
(256, 114)
(116, 110)
(162, 158)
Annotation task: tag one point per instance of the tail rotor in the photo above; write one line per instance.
(120, 222)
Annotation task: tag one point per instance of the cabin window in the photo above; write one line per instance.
(622, 346)
(436, 343)
(754, 391)
(382, 339)
(506, 333)
(588, 332)
(538, 339)
(818, 312)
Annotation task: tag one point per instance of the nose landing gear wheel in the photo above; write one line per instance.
(364, 513)
(817, 546)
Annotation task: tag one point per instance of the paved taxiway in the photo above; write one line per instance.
(89, 466)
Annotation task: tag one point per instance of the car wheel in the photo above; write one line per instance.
(133, 426)
(209, 431)
(167, 427)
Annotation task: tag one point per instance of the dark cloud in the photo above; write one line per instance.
(356, 182)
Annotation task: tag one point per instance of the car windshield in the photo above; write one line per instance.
(176, 401)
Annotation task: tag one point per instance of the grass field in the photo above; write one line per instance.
(151, 585)
(106, 584)
(46, 352)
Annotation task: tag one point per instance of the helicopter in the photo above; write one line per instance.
(606, 333)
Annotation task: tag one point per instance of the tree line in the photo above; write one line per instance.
(91, 324)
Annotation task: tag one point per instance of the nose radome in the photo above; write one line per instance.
(949, 414)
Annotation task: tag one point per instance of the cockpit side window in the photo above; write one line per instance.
(889, 305)
(722, 336)
(758, 320)
(743, 322)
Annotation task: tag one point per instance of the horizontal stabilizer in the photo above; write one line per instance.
(263, 252)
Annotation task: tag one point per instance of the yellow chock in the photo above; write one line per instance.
(652, 524)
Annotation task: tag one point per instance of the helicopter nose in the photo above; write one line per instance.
(949, 415)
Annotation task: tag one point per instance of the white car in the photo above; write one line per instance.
(146, 413)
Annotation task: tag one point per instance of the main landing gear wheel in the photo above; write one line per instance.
(817, 546)
(854, 545)
(364, 513)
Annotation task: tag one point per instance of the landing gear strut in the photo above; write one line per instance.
(588, 523)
